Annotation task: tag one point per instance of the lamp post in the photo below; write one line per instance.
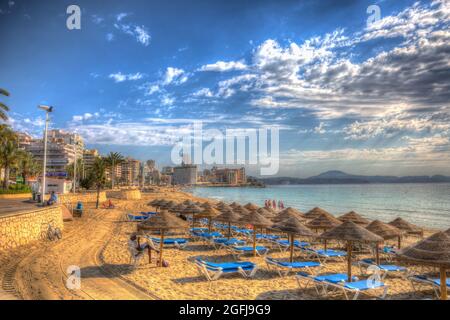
(75, 144)
(47, 110)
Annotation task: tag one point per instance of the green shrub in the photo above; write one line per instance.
(16, 189)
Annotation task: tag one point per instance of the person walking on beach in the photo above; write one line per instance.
(274, 204)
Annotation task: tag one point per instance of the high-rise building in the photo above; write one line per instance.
(89, 157)
(185, 174)
(130, 171)
(62, 149)
(228, 176)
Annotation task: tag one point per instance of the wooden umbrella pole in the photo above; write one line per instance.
(161, 248)
(325, 245)
(292, 248)
(443, 284)
(349, 260)
(254, 241)
(209, 224)
(399, 242)
(229, 230)
(377, 252)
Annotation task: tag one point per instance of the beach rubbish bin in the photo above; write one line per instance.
(38, 197)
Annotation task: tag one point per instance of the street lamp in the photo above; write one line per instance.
(47, 110)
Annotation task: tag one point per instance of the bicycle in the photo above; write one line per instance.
(52, 233)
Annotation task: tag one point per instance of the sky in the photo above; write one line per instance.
(347, 90)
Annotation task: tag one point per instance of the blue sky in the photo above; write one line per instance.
(366, 99)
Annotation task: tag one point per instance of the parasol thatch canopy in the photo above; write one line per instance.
(293, 210)
(169, 205)
(220, 204)
(207, 213)
(284, 215)
(434, 251)
(350, 231)
(188, 202)
(448, 232)
(228, 216)
(251, 206)
(192, 209)
(384, 230)
(240, 210)
(154, 202)
(354, 217)
(256, 220)
(315, 212)
(162, 221)
(293, 226)
(206, 205)
(266, 213)
(323, 221)
(406, 226)
(234, 204)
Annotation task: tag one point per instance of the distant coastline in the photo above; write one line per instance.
(339, 177)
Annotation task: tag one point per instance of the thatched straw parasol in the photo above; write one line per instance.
(251, 206)
(162, 221)
(386, 231)
(206, 205)
(433, 251)
(187, 202)
(266, 213)
(228, 216)
(157, 203)
(448, 232)
(286, 214)
(257, 221)
(354, 217)
(409, 228)
(179, 208)
(208, 213)
(168, 205)
(324, 221)
(192, 209)
(292, 227)
(350, 232)
(292, 210)
(154, 202)
(315, 212)
(219, 205)
(240, 210)
(234, 204)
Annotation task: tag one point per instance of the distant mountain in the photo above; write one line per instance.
(339, 177)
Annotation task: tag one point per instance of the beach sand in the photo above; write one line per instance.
(97, 243)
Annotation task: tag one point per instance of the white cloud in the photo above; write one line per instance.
(120, 77)
(140, 33)
(97, 19)
(167, 100)
(174, 75)
(121, 16)
(222, 66)
(109, 37)
(84, 117)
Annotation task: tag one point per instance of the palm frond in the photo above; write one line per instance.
(4, 92)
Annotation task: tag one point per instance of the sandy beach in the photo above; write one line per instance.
(97, 243)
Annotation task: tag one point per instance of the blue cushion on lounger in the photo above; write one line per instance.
(363, 285)
(297, 264)
(170, 240)
(249, 248)
(331, 253)
(333, 278)
(230, 266)
(438, 282)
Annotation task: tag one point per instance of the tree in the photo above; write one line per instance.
(9, 152)
(98, 172)
(27, 165)
(3, 107)
(70, 170)
(112, 160)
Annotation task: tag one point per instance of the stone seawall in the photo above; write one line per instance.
(83, 197)
(20, 228)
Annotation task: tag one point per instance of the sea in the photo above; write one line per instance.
(426, 204)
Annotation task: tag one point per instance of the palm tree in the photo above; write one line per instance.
(70, 170)
(3, 107)
(27, 165)
(9, 152)
(112, 160)
(98, 172)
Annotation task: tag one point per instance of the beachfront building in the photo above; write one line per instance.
(185, 174)
(151, 174)
(24, 140)
(227, 176)
(130, 169)
(62, 149)
(89, 157)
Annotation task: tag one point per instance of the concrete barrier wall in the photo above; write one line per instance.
(21, 228)
(125, 194)
(16, 196)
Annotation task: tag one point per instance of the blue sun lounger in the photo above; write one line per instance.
(285, 267)
(134, 218)
(338, 281)
(423, 280)
(179, 243)
(213, 270)
(238, 251)
(324, 255)
(284, 244)
(225, 242)
(385, 269)
(149, 213)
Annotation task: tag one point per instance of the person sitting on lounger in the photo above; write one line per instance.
(108, 205)
(133, 242)
(53, 199)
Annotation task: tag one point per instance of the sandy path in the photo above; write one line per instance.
(41, 272)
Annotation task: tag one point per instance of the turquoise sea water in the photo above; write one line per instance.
(427, 205)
